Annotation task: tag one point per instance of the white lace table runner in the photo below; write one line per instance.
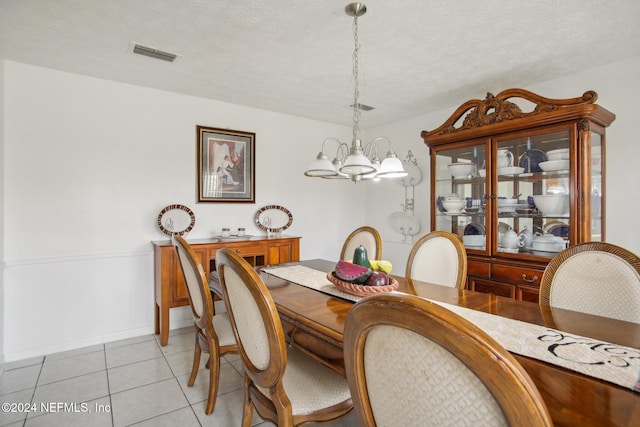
(610, 362)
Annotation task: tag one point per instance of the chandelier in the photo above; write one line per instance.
(356, 162)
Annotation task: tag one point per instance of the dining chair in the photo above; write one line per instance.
(411, 362)
(213, 331)
(366, 236)
(284, 385)
(595, 277)
(438, 257)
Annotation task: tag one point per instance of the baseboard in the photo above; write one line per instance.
(103, 339)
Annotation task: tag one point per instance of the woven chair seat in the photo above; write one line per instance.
(222, 325)
(310, 385)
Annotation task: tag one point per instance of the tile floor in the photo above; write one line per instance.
(133, 382)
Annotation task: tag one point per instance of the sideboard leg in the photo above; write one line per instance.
(156, 319)
(164, 325)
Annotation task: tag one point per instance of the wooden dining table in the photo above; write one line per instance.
(313, 322)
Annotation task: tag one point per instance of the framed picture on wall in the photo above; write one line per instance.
(226, 165)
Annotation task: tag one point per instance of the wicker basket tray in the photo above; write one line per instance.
(362, 290)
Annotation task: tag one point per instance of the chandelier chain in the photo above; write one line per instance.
(356, 91)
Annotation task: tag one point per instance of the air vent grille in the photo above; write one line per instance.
(154, 53)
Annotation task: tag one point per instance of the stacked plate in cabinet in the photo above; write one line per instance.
(474, 236)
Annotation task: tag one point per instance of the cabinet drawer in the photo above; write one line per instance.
(248, 250)
(478, 268)
(520, 275)
(496, 288)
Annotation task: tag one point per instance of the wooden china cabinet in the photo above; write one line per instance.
(524, 148)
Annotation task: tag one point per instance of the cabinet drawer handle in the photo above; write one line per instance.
(238, 250)
(533, 279)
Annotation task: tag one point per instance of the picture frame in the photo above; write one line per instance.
(225, 165)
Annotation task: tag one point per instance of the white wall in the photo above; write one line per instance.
(2, 297)
(618, 90)
(90, 163)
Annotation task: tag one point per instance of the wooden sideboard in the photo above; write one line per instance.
(170, 289)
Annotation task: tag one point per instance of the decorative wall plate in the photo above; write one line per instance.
(414, 175)
(273, 217)
(405, 223)
(176, 220)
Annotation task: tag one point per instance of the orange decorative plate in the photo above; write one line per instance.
(362, 290)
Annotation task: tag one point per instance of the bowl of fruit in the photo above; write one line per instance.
(361, 276)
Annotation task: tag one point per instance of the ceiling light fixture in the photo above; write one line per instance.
(356, 162)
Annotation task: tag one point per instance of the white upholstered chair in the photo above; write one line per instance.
(410, 362)
(366, 236)
(284, 386)
(213, 331)
(596, 278)
(438, 257)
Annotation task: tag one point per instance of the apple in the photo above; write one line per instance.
(377, 278)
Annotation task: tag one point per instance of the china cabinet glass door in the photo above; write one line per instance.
(533, 193)
(461, 187)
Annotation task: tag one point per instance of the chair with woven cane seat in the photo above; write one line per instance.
(284, 386)
(438, 257)
(411, 362)
(366, 236)
(596, 278)
(213, 331)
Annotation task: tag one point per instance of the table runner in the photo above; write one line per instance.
(610, 362)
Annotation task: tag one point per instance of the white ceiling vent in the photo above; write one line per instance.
(154, 53)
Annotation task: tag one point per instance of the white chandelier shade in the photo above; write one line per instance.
(363, 166)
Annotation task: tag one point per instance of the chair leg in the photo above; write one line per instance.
(214, 377)
(247, 413)
(196, 363)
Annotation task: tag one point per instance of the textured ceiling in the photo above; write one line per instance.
(294, 56)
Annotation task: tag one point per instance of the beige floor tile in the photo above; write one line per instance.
(76, 352)
(182, 362)
(143, 403)
(19, 379)
(132, 353)
(77, 389)
(23, 363)
(14, 415)
(138, 374)
(229, 381)
(96, 413)
(181, 418)
(179, 343)
(128, 341)
(228, 411)
(73, 366)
